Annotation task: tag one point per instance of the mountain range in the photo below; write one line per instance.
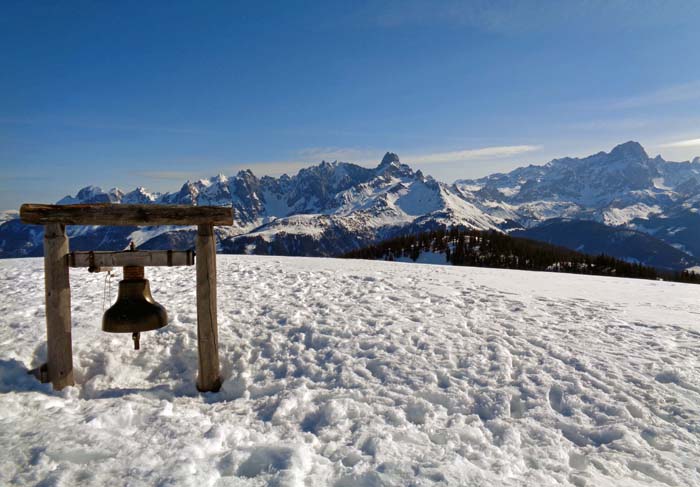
(588, 204)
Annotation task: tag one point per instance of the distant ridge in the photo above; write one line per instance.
(335, 207)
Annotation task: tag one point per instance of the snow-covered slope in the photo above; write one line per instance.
(349, 373)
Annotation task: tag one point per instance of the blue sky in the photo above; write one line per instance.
(153, 93)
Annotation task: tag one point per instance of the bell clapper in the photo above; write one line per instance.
(135, 337)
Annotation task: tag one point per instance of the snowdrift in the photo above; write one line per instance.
(354, 373)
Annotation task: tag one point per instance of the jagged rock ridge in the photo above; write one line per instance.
(331, 208)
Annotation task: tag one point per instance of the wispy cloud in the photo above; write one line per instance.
(612, 124)
(662, 96)
(346, 154)
(372, 157)
(100, 125)
(495, 152)
(682, 143)
(167, 175)
(361, 156)
(311, 156)
(514, 16)
(271, 168)
(24, 178)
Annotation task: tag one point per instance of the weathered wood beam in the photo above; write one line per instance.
(58, 314)
(143, 258)
(126, 215)
(209, 378)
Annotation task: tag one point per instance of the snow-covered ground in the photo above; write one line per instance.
(362, 373)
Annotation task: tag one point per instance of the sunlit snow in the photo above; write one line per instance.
(354, 373)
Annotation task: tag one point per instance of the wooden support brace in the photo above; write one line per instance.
(142, 258)
(209, 378)
(58, 314)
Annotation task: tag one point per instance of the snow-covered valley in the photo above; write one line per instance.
(344, 373)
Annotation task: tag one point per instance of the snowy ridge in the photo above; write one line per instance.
(323, 210)
(333, 208)
(623, 187)
(342, 373)
(7, 215)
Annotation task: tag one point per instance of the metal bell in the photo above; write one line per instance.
(135, 309)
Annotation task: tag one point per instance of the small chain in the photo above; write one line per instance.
(107, 288)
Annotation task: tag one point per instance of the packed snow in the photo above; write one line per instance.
(361, 373)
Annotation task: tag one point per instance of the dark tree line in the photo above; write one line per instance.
(493, 249)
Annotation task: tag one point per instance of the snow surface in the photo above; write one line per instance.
(621, 216)
(356, 373)
(7, 215)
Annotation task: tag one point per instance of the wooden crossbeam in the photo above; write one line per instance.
(126, 215)
(143, 258)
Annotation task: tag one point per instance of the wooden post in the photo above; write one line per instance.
(207, 327)
(58, 315)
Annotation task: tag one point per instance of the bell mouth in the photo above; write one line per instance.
(135, 309)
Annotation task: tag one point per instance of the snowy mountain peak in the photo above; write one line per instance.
(89, 191)
(93, 194)
(630, 150)
(390, 159)
(245, 174)
(139, 196)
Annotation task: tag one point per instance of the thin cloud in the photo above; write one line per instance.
(669, 94)
(274, 168)
(345, 154)
(372, 157)
(14, 178)
(101, 125)
(683, 143)
(513, 16)
(166, 175)
(615, 124)
(364, 157)
(496, 152)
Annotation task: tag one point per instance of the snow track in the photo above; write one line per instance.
(351, 373)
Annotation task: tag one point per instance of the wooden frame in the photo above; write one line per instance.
(57, 260)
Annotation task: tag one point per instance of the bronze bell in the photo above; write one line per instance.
(135, 309)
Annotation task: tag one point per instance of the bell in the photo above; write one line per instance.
(135, 309)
